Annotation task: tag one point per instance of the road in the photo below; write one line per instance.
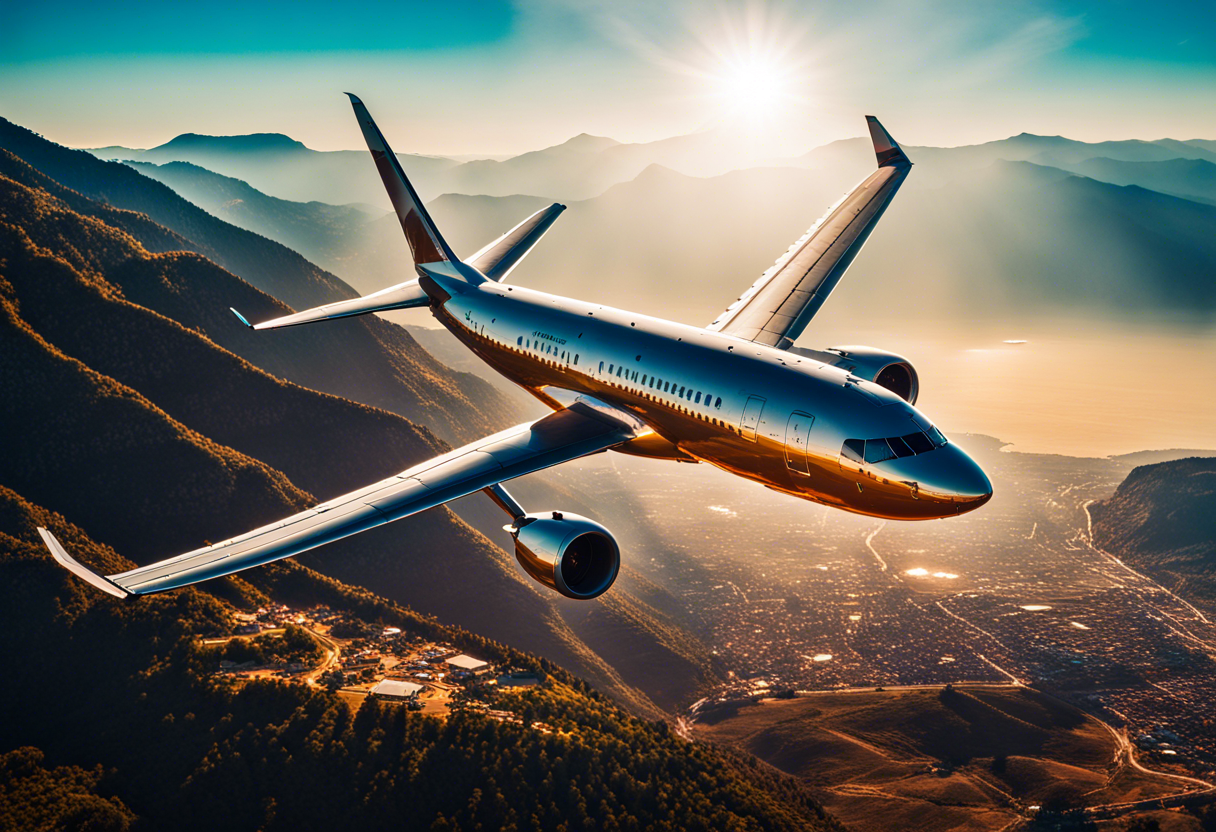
(333, 655)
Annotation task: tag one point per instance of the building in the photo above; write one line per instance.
(397, 690)
(468, 664)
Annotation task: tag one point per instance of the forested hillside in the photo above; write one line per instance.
(122, 725)
(364, 359)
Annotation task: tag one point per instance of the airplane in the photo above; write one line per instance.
(837, 426)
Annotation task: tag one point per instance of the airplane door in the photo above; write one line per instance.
(797, 439)
(751, 417)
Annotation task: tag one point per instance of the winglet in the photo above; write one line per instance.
(888, 151)
(241, 318)
(80, 570)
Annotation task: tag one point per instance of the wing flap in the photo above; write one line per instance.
(777, 307)
(559, 437)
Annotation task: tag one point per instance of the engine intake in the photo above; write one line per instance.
(570, 554)
(886, 369)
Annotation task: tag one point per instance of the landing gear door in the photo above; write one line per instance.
(797, 439)
(751, 417)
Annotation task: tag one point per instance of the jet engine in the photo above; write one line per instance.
(886, 369)
(570, 554)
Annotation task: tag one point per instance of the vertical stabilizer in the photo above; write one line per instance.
(426, 243)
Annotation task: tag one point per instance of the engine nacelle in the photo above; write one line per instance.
(886, 369)
(567, 553)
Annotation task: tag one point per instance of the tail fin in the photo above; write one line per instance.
(426, 243)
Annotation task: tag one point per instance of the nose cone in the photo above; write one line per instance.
(945, 475)
(958, 476)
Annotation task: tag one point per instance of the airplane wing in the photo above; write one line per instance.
(778, 306)
(586, 427)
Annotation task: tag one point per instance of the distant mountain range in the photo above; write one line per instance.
(985, 230)
(1162, 520)
(585, 166)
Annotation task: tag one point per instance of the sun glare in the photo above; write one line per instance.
(755, 86)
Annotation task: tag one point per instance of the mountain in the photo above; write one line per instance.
(1162, 520)
(1010, 239)
(579, 168)
(1188, 178)
(279, 165)
(986, 235)
(364, 359)
(101, 299)
(320, 232)
(938, 165)
(272, 755)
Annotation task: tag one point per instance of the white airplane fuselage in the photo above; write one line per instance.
(762, 413)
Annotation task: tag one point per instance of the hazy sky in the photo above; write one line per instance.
(496, 77)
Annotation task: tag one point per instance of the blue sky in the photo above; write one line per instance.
(497, 77)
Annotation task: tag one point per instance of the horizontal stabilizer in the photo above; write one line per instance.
(402, 296)
(497, 260)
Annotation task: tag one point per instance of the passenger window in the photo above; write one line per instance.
(698, 401)
(877, 450)
(601, 366)
(576, 359)
(610, 366)
(666, 384)
(918, 442)
(900, 447)
(681, 394)
(936, 436)
(519, 342)
(854, 449)
(718, 402)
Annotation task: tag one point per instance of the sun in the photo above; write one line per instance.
(755, 84)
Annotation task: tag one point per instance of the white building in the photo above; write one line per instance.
(467, 664)
(397, 689)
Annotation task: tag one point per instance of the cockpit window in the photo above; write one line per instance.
(873, 451)
(854, 449)
(918, 442)
(877, 450)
